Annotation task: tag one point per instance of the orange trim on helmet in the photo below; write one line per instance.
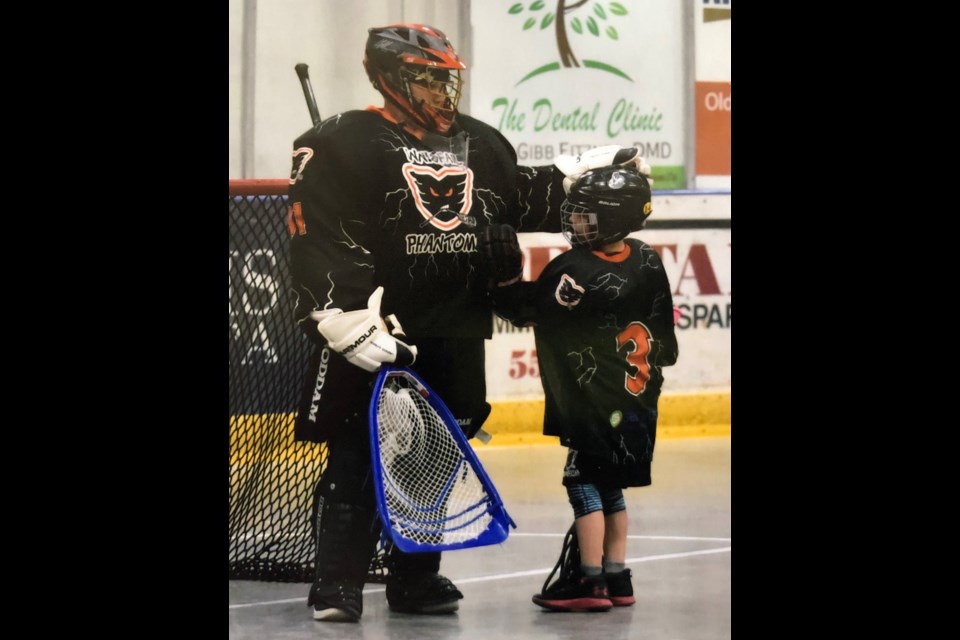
(449, 62)
(451, 59)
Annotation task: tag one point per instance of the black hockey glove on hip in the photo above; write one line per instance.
(500, 255)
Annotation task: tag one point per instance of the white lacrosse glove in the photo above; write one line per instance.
(362, 336)
(612, 154)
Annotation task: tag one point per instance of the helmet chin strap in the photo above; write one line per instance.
(401, 115)
(402, 118)
(410, 125)
(419, 106)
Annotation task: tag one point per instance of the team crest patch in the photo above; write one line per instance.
(301, 157)
(568, 292)
(443, 197)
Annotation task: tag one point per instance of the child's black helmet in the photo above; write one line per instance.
(609, 202)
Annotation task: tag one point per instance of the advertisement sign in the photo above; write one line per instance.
(714, 108)
(563, 77)
(714, 99)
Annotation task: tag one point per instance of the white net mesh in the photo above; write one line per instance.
(433, 495)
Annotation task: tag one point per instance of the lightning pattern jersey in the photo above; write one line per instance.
(603, 329)
(371, 205)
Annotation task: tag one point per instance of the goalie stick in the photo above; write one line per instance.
(304, 76)
(432, 492)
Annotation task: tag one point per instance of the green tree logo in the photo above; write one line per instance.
(593, 24)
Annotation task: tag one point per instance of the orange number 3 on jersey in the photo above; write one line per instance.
(636, 337)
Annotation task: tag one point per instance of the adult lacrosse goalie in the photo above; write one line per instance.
(404, 196)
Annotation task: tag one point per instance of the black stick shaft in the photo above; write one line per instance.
(308, 92)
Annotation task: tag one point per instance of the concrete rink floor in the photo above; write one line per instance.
(679, 549)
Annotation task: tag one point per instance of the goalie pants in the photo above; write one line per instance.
(346, 523)
(335, 393)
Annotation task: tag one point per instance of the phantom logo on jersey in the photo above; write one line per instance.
(568, 292)
(443, 197)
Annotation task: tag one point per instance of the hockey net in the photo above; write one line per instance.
(272, 477)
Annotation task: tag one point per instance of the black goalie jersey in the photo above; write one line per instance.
(371, 205)
(604, 329)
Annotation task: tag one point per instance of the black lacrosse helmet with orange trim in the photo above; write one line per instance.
(400, 55)
(604, 205)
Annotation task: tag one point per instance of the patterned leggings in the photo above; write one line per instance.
(587, 498)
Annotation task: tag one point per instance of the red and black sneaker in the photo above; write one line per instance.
(587, 593)
(620, 588)
(573, 591)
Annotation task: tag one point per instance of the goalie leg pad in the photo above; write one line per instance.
(345, 524)
(348, 477)
(346, 542)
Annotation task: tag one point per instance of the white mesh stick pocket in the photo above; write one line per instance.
(432, 492)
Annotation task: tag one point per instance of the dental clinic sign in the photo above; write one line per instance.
(562, 76)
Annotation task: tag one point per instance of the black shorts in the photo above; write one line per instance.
(622, 460)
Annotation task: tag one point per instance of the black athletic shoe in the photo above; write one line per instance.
(572, 591)
(620, 588)
(336, 602)
(429, 593)
(587, 593)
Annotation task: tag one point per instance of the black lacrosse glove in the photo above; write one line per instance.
(500, 255)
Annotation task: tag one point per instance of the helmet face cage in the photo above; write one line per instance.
(578, 224)
(443, 88)
(416, 68)
(605, 205)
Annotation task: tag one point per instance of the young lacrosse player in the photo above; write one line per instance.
(604, 327)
